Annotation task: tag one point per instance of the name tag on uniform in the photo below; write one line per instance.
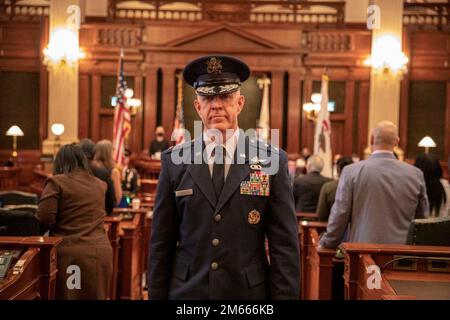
(186, 192)
(258, 185)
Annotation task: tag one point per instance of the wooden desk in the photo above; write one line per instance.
(130, 270)
(39, 179)
(306, 216)
(317, 265)
(147, 168)
(147, 200)
(9, 178)
(34, 274)
(146, 236)
(148, 186)
(112, 229)
(419, 278)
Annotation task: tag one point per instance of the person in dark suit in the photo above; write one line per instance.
(328, 191)
(72, 207)
(307, 187)
(216, 203)
(88, 147)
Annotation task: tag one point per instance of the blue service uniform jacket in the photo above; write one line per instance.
(208, 248)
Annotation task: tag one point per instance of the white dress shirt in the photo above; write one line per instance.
(382, 151)
(230, 147)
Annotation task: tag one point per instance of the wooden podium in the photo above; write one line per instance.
(405, 272)
(33, 275)
(318, 265)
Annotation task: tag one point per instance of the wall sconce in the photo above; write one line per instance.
(132, 103)
(312, 108)
(14, 132)
(427, 143)
(57, 130)
(63, 49)
(387, 57)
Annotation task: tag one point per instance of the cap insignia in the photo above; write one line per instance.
(214, 65)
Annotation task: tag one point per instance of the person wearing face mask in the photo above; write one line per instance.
(159, 144)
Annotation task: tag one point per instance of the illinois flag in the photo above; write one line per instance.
(264, 115)
(178, 126)
(122, 117)
(322, 136)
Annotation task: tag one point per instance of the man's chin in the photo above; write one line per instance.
(219, 126)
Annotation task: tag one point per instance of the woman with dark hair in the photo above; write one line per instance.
(437, 197)
(72, 206)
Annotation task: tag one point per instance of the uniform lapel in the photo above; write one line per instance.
(236, 174)
(202, 177)
(199, 172)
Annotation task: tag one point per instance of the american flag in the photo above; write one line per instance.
(122, 118)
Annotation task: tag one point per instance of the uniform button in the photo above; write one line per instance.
(215, 242)
(217, 217)
(214, 266)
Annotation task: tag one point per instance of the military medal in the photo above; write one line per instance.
(258, 185)
(254, 217)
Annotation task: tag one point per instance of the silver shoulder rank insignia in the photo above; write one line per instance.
(254, 217)
(214, 65)
(254, 160)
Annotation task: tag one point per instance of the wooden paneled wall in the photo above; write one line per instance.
(293, 56)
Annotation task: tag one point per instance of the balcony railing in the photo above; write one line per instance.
(435, 15)
(253, 11)
(420, 15)
(326, 41)
(13, 10)
(106, 34)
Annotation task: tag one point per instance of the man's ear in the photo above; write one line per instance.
(197, 106)
(241, 103)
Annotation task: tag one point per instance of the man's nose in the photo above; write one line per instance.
(216, 103)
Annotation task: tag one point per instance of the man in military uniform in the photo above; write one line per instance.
(215, 209)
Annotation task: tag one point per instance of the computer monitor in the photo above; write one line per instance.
(429, 232)
(15, 223)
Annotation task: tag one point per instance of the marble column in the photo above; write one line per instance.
(62, 79)
(385, 86)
